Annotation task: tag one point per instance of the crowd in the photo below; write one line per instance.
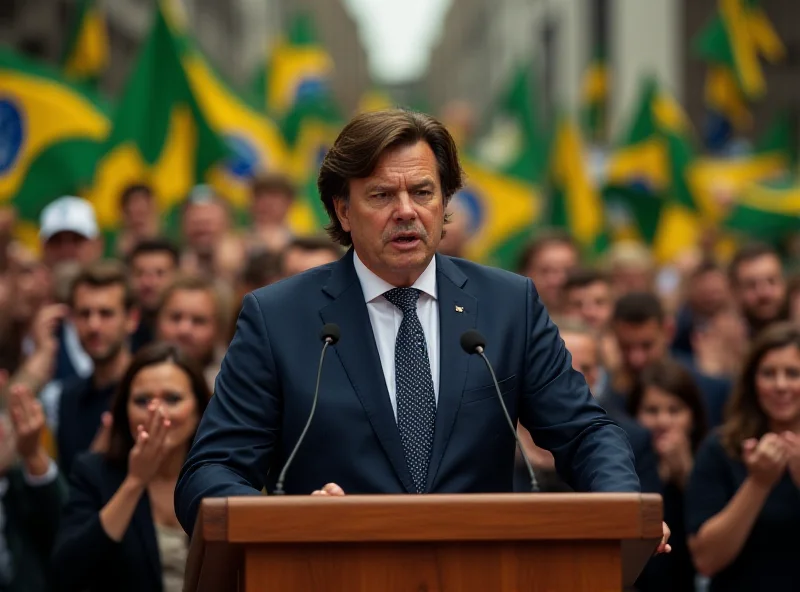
(105, 346)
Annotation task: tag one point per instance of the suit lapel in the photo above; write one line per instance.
(359, 357)
(457, 313)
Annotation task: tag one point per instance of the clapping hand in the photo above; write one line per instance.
(150, 448)
(27, 418)
(766, 459)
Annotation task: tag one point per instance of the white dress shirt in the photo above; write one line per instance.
(385, 318)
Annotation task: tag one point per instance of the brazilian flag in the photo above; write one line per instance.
(86, 53)
(575, 203)
(160, 134)
(732, 45)
(50, 136)
(297, 68)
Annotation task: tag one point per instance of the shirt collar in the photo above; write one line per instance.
(374, 287)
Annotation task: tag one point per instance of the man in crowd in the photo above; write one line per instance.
(643, 332)
(547, 260)
(140, 219)
(103, 310)
(152, 265)
(206, 226)
(192, 316)
(457, 231)
(69, 232)
(272, 197)
(759, 286)
(304, 253)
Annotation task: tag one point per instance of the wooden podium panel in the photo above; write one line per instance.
(432, 543)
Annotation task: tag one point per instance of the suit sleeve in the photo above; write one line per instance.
(591, 452)
(237, 435)
(82, 543)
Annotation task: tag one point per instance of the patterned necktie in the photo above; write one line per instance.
(416, 400)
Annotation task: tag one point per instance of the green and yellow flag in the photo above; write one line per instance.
(516, 144)
(503, 210)
(768, 212)
(732, 45)
(594, 98)
(160, 134)
(86, 53)
(655, 158)
(50, 132)
(298, 67)
(575, 203)
(253, 139)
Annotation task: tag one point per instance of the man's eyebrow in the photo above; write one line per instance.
(380, 186)
(423, 183)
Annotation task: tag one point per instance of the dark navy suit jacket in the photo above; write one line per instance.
(85, 559)
(265, 387)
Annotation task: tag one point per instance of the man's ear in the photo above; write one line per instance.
(341, 205)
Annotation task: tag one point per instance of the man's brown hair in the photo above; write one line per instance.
(362, 142)
(273, 183)
(103, 274)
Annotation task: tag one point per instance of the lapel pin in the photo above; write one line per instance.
(459, 308)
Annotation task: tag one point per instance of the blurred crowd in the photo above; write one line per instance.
(699, 363)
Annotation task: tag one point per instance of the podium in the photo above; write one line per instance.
(433, 543)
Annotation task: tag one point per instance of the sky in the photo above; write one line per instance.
(398, 35)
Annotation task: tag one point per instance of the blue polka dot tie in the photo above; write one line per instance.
(416, 400)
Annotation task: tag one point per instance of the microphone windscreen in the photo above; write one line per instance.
(471, 340)
(330, 331)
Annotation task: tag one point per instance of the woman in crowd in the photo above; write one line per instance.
(669, 404)
(119, 530)
(743, 497)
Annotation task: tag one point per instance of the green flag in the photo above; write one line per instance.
(87, 53)
(159, 135)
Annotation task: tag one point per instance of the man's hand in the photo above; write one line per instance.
(329, 489)
(663, 547)
(45, 324)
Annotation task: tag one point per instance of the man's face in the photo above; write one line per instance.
(584, 355)
(640, 344)
(299, 260)
(395, 216)
(760, 288)
(67, 247)
(101, 320)
(151, 273)
(271, 208)
(592, 304)
(204, 225)
(548, 270)
(139, 211)
(188, 320)
(709, 293)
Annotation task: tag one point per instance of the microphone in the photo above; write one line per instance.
(473, 342)
(329, 335)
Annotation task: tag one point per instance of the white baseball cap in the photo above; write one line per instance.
(68, 214)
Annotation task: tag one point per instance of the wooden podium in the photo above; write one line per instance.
(432, 543)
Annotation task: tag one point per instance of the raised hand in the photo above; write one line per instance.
(45, 324)
(27, 419)
(150, 447)
(766, 459)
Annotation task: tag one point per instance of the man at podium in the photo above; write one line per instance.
(401, 407)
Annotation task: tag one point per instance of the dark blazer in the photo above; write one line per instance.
(85, 558)
(32, 515)
(265, 387)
